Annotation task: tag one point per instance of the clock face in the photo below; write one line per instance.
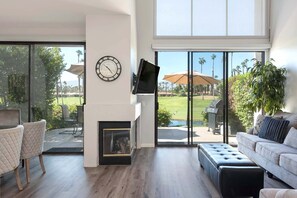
(108, 68)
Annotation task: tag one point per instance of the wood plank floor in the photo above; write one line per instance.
(155, 172)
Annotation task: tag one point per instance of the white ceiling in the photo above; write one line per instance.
(32, 13)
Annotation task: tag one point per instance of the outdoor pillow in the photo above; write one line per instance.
(258, 124)
(274, 129)
(291, 138)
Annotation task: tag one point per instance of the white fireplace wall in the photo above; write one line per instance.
(108, 34)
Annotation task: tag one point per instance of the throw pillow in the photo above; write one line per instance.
(258, 124)
(274, 129)
(291, 138)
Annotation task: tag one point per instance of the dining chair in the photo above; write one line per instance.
(32, 145)
(10, 150)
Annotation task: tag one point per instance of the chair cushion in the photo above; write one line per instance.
(249, 140)
(289, 162)
(274, 129)
(272, 151)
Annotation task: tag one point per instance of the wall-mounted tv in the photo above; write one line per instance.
(146, 79)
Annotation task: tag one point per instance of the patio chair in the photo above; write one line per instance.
(10, 150)
(80, 120)
(33, 144)
(68, 121)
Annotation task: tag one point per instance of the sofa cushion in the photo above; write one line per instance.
(291, 138)
(258, 124)
(289, 162)
(274, 129)
(249, 140)
(272, 151)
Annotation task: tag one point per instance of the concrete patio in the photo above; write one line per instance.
(62, 138)
(180, 134)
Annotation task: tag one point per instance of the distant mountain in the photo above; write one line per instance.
(72, 83)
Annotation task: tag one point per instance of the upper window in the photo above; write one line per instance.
(210, 17)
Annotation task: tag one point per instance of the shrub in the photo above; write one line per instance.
(164, 117)
(240, 98)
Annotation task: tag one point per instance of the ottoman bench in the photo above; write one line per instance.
(231, 172)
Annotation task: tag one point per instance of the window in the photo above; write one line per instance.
(211, 17)
(177, 20)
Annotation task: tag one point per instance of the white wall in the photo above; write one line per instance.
(284, 44)
(107, 34)
(144, 17)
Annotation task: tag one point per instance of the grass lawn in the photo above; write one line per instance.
(175, 104)
(69, 101)
(178, 106)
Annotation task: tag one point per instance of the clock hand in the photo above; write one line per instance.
(108, 69)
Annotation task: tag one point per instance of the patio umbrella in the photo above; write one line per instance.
(198, 78)
(77, 69)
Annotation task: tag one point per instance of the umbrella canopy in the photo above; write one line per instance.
(198, 78)
(77, 69)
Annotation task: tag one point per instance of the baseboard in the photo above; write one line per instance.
(147, 145)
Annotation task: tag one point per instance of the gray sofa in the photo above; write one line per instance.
(279, 159)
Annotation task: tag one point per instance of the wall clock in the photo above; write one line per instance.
(108, 68)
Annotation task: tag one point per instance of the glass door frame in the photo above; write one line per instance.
(190, 96)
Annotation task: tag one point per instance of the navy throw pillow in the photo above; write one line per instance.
(274, 129)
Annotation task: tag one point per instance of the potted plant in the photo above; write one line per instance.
(267, 83)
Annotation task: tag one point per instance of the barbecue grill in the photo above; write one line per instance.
(215, 115)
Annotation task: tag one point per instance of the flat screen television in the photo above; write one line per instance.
(146, 79)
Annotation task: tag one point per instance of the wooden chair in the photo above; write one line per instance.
(33, 144)
(10, 150)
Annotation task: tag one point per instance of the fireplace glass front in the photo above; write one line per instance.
(116, 142)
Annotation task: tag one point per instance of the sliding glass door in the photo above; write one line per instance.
(199, 96)
(206, 97)
(14, 78)
(173, 98)
(42, 79)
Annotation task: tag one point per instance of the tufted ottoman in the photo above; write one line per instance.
(232, 173)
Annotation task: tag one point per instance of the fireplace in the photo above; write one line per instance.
(116, 142)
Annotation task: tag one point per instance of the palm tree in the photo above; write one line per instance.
(79, 53)
(213, 57)
(201, 62)
(244, 65)
(238, 69)
(233, 72)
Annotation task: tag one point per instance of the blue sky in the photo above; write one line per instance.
(171, 62)
(70, 57)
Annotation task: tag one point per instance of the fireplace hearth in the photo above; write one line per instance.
(116, 142)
